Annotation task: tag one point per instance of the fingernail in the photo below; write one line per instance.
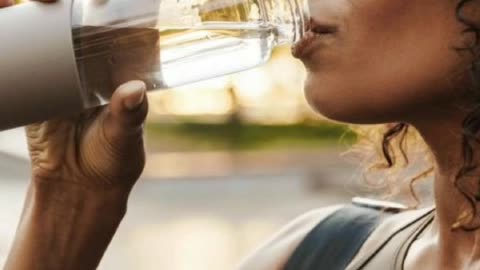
(135, 102)
(135, 92)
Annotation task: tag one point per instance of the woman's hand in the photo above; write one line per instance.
(83, 169)
(101, 149)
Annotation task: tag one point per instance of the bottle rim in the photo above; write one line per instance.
(301, 8)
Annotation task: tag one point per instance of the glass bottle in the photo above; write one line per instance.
(168, 43)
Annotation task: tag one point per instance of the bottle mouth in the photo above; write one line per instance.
(291, 18)
(302, 20)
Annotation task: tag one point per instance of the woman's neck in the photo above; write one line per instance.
(456, 249)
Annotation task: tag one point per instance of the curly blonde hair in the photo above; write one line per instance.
(388, 165)
(391, 171)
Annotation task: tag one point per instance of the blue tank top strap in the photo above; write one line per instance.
(334, 242)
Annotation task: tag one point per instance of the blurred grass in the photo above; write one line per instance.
(236, 136)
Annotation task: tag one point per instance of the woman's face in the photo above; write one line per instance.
(382, 60)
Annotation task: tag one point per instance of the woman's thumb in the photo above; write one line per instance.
(127, 110)
(129, 96)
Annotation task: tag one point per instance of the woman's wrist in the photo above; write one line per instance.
(62, 195)
(73, 222)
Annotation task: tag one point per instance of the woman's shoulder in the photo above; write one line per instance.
(390, 225)
(275, 252)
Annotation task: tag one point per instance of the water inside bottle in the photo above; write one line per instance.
(109, 56)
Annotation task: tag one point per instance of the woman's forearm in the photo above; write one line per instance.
(65, 229)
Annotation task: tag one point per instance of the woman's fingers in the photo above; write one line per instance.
(6, 3)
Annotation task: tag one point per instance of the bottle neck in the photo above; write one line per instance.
(289, 18)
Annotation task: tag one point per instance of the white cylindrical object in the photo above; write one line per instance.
(38, 72)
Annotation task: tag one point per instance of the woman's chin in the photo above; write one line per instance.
(330, 103)
(333, 111)
(325, 106)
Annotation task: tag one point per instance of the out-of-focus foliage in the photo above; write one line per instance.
(238, 136)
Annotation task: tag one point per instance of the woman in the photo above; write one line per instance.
(412, 62)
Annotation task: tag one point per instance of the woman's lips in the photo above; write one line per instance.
(303, 46)
(314, 34)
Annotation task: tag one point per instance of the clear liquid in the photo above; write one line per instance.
(107, 57)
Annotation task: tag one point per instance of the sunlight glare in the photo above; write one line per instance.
(253, 85)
